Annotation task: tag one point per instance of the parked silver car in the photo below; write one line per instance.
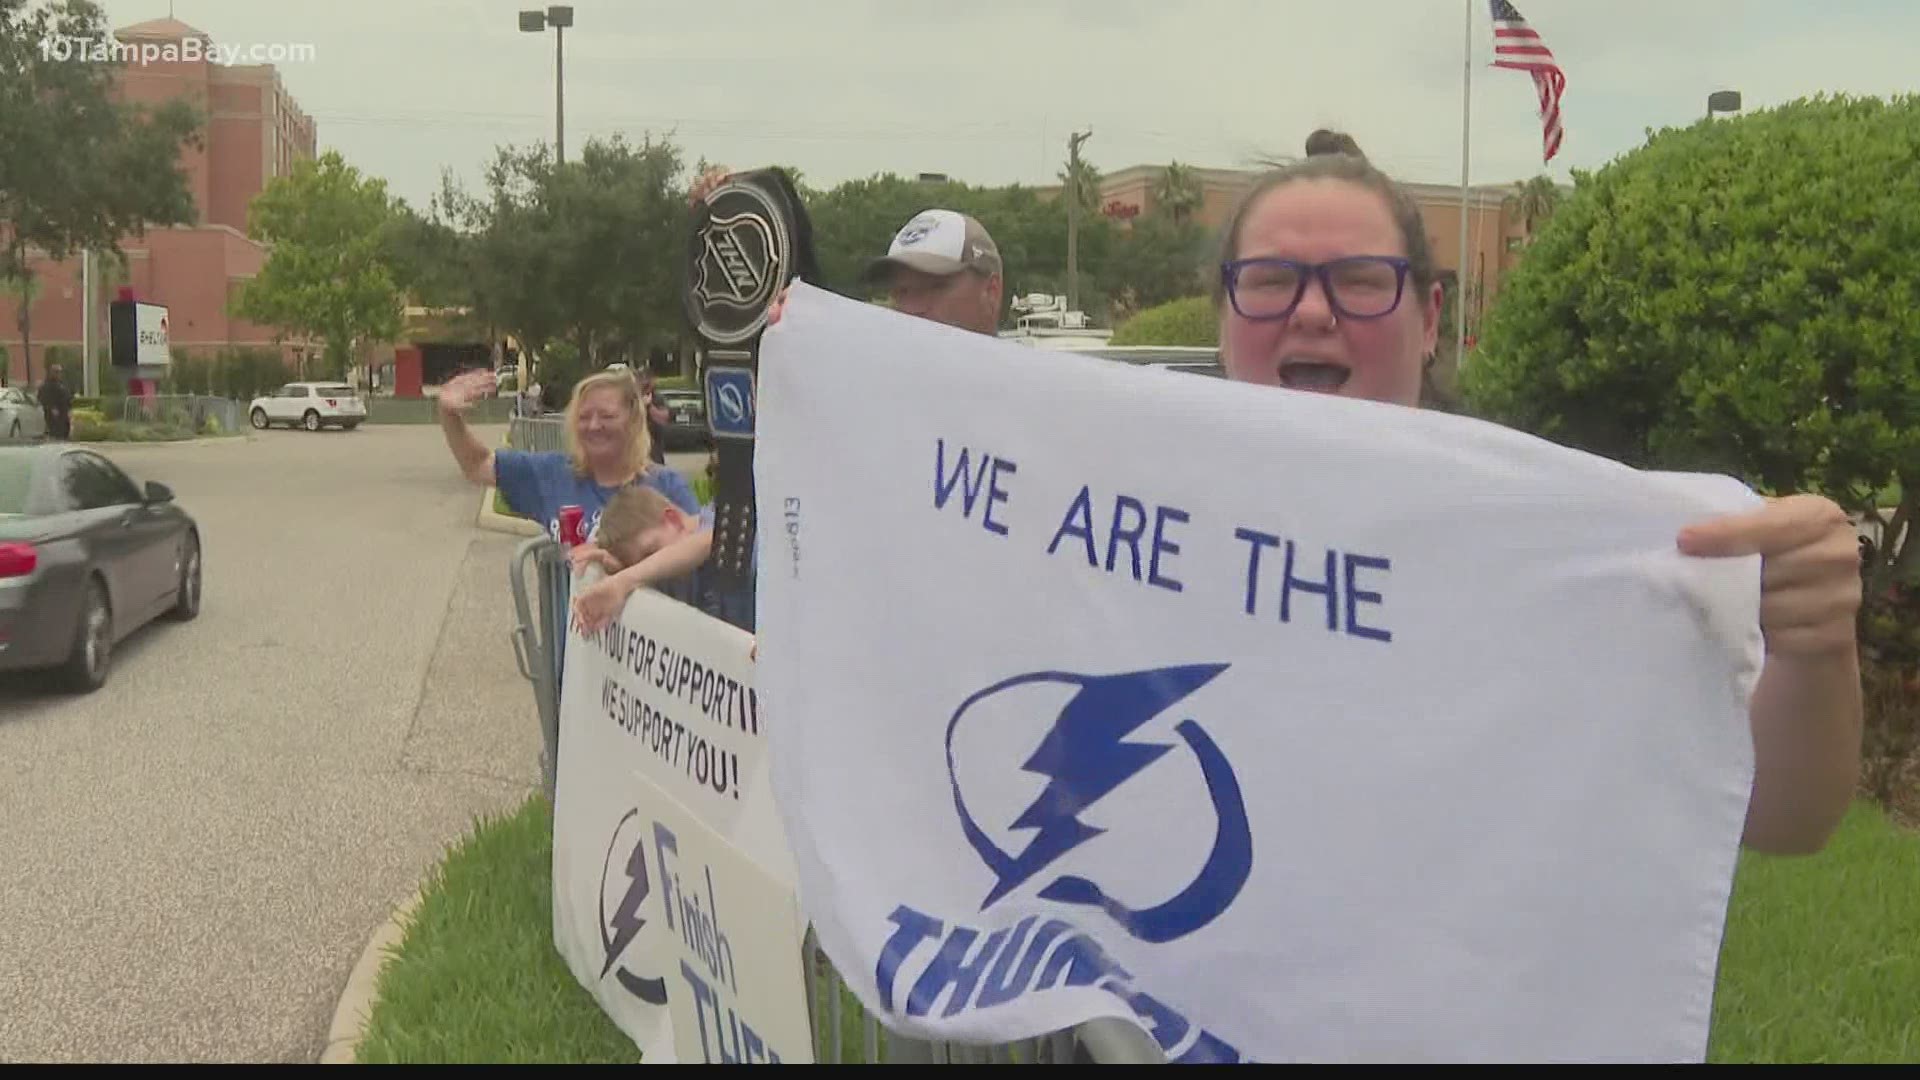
(20, 415)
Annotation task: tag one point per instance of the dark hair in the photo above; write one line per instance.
(1333, 155)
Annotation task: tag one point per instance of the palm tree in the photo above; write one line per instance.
(1534, 201)
(1178, 191)
(1081, 182)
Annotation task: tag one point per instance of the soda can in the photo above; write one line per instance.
(571, 518)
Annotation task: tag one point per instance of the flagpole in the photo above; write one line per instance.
(1466, 129)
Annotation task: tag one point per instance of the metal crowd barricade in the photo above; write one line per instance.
(540, 637)
(844, 1032)
(536, 433)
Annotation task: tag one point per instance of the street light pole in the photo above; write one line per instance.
(560, 91)
(559, 16)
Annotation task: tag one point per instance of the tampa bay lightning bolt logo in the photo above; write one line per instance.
(915, 231)
(627, 851)
(730, 402)
(1086, 756)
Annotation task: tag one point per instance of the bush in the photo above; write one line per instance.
(90, 427)
(1192, 321)
(1737, 297)
(1890, 741)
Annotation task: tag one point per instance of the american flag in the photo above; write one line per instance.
(1518, 47)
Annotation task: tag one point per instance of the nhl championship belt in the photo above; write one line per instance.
(750, 238)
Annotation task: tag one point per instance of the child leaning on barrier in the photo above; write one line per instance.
(644, 539)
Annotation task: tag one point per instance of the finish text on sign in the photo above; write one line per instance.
(709, 968)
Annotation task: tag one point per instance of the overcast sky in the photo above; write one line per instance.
(988, 90)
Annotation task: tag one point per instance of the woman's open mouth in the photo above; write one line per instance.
(1307, 373)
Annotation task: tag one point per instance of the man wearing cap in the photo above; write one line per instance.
(943, 266)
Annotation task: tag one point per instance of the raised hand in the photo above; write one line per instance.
(707, 181)
(461, 391)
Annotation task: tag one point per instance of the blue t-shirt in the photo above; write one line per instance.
(537, 485)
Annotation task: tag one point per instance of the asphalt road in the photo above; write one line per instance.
(192, 858)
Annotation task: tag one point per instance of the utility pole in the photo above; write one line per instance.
(89, 377)
(1073, 216)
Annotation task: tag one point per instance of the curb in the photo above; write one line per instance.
(488, 518)
(215, 440)
(356, 1001)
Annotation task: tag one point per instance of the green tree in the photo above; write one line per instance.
(431, 257)
(1736, 296)
(855, 221)
(1160, 258)
(78, 169)
(1178, 192)
(589, 252)
(329, 274)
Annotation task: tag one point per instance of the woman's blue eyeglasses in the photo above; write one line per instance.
(1359, 287)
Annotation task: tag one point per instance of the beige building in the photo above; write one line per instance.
(1493, 225)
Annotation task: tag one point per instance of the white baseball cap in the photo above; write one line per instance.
(939, 242)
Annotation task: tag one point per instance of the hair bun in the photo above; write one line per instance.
(1332, 142)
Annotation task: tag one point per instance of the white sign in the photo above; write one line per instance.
(737, 989)
(666, 693)
(1284, 727)
(150, 324)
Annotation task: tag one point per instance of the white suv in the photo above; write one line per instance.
(311, 405)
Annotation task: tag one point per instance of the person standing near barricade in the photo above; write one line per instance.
(607, 449)
(1326, 285)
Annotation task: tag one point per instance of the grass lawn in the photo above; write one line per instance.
(476, 978)
(1820, 963)
(500, 504)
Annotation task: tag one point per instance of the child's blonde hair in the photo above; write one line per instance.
(631, 512)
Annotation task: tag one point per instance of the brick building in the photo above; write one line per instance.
(252, 131)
